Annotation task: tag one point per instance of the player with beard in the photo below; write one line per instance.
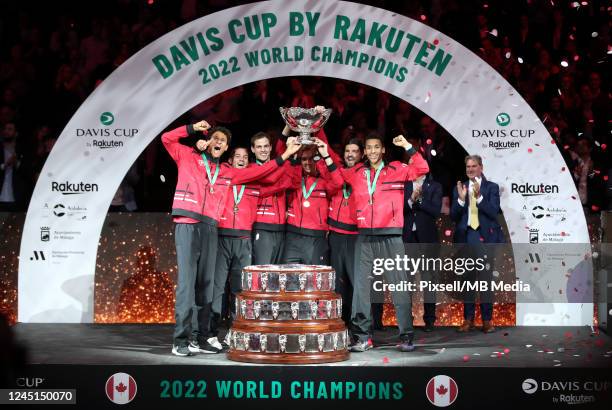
(343, 230)
(378, 198)
(201, 190)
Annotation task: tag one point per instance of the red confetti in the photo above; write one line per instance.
(529, 150)
(436, 41)
(552, 141)
(385, 359)
(556, 130)
(568, 335)
(599, 342)
(506, 350)
(576, 57)
(562, 169)
(563, 233)
(466, 358)
(448, 232)
(428, 141)
(594, 208)
(423, 17)
(499, 354)
(605, 177)
(604, 146)
(566, 147)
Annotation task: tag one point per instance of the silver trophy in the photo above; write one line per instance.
(264, 281)
(306, 121)
(302, 342)
(263, 342)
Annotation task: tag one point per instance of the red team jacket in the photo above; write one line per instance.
(272, 209)
(311, 220)
(192, 197)
(240, 223)
(386, 215)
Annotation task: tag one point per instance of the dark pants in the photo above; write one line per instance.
(342, 257)
(234, 254)
(429, 250)
(368, 248)
(268, 247)
(196, 250)
(475, 250)
(310, 250)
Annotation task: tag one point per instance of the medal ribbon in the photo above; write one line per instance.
(372, 185)
(347, 190)
(212, 179)
(238, 196)
(312, 187)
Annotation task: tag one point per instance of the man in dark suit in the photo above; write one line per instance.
(474, 209)
(422, 206)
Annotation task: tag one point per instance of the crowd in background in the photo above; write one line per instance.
(52, 56)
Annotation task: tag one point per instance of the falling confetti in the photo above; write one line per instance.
(564, 64)
(520, 60)
(162, 178)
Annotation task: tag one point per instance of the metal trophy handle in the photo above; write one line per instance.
(305, 121)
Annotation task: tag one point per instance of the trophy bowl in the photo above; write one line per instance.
(305, 121)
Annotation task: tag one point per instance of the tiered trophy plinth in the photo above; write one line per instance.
(288, 314)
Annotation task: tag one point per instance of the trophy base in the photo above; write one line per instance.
(280, 358)
(305, 141)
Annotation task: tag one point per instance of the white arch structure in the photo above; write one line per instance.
(339, 39)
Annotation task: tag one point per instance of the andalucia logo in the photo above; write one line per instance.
(107, 118)
(502, 119)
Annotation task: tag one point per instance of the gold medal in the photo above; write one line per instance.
(211, 190)
(306, 204)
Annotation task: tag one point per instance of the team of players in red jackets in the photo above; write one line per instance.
(229, 215)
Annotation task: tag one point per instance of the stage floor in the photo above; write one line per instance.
(150, 345)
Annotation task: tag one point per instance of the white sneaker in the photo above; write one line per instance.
(181, 350)
(214, 342)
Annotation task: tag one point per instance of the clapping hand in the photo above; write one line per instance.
(461, 191)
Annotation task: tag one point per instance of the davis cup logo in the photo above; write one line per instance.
(107, 118)
(502, 119)
(442, 391)
(120, 388)
(530, 386)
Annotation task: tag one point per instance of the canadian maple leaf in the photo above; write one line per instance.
(122, 387)
(441, 390)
